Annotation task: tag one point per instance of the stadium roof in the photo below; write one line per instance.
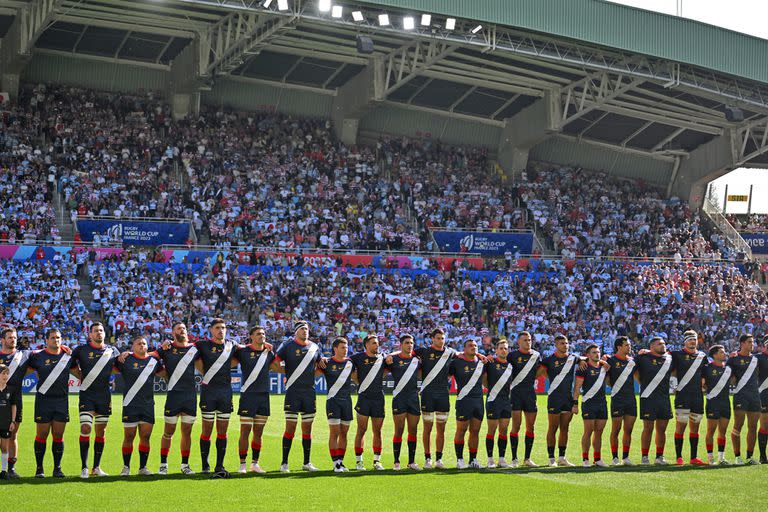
(634, 80)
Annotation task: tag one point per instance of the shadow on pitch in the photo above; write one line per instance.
(369, 474)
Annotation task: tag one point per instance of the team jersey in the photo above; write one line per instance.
(8, 396)
(86, 357)
(739, 365)
(518, 359)
(364, 364)
(439, 386)
(711, 374)
(171, 359)
(463, 370)
(249, 358)
(208, 352)
(554, 366)
(332, 371)
(587, 378)
(681, 363)
(131, 369)
(762, 372)
(618, 366)
(398, 368)
(292, 353)
(494, 369)
(20, 368)
(648, 366)
(43, 362)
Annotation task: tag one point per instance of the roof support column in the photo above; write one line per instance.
(356, 98)
(525, 130)
(704, 164)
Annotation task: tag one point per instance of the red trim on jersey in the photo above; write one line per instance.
(139, 357)
(103, 345)
(342, 361)
(467, 360)
(621, 358)
(174, 344)
(719, 365)
(589, 363)
(52, 353)
(2, 351)
(403, 356)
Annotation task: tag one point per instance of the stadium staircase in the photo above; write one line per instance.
(66, 227)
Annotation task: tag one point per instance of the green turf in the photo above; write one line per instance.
(686, 488)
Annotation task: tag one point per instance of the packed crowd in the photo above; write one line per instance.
(754, 223)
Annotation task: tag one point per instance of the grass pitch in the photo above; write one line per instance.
(625, 489)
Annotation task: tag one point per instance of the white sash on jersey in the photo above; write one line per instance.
(218, 363)
(256, 371)
(16, 361)
(520, 377)
(763, 385)
(623, 376)
(184, 363)
(724, 378)
(746, 376)
(561, 376)
(472, 381)
(412, 366)
(599, 383)
(97, 368)
(496, 389)
(142, 378)
(368, 380)
(691, 371)
(343, 378)
(656, 380)
(436, 369)
(308, 357)
(60, 366)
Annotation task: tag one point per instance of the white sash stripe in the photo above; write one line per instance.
(142, 378)
(651, 387)
(406, 378)
(623, 376)
(496, 389)
(763, 385)
(309, 356)
(691, 371)
(220, 361)
(97, 368)
(472, 381)
(724, 378)
(368, 380)
(520, 377)
(256, 371)
(60, 366)
(16, 361)
(746, 376)
(343, 378)
(599, 383)
(436, 369)
(562, 375)
(184, 363)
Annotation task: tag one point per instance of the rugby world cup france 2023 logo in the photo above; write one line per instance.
(115, 232)
(466, 243)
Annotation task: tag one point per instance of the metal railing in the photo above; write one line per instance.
(483, 230)
(140, 219)
(726, 228)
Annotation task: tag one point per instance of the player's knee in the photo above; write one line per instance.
(86, 423)
(736, 432)
(167, 436)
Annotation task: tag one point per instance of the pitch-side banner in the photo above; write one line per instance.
(484, 243)
(134, 232)
(757, 241)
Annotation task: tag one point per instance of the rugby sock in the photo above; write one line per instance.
(644, 451)
(438, 455)
(762, 440)
(127, 452)
(721, 448)
(551, 451)
(164, 455)
(615, 450)
(625, 451)
(11, 463)
(205, 449)
(693, 438)
(397, 444)
(710, 449)
(585, 456)
(458, 445)
(143, 455)
(659, 451)
(529, 436)
(749, 454)
(98, 450)
(221, 449)
(57, 448)
(287, 441)
(85, 442)
(185, 457)
(4, 459)
(489, 445)
(306, 444)
(597, 456)
(472, 454)
(359, 453)
(561, 451)
(502, 446)
(513, 439)
(39, 453)
(377, 453)
(255, 451)
(411, 449)
(427, 456)
(679, 445)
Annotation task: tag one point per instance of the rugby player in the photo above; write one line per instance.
(138, 371)
(498, 409)
(762, 372)
(623, 402)
(594, 408)
(404, 368)
(688, 365)
(746, 397)
(653, 372)
(468, 371)
(561, 406)
(8, 400)
(17, 362)
(255, 362)
(525, 364)
(369, 373)
(717, 379)
(338, 404)
(92, 364)
(300, 357)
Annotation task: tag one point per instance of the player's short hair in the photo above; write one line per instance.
(6, 331)
(561, 337)
(590, 347)
(690, 334)
(406, 336)
(436, 331)
(370, 337)
(137, 338)
(714, 349)
(619, 342)
(744, 337)
(655, 339)
(501, 341)
(217, 321)
(338, 341)
(94, 325)
(4, 369)
(524, 333)
(177, 322)
(468, 340)
(256, 328)
(51, 331)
